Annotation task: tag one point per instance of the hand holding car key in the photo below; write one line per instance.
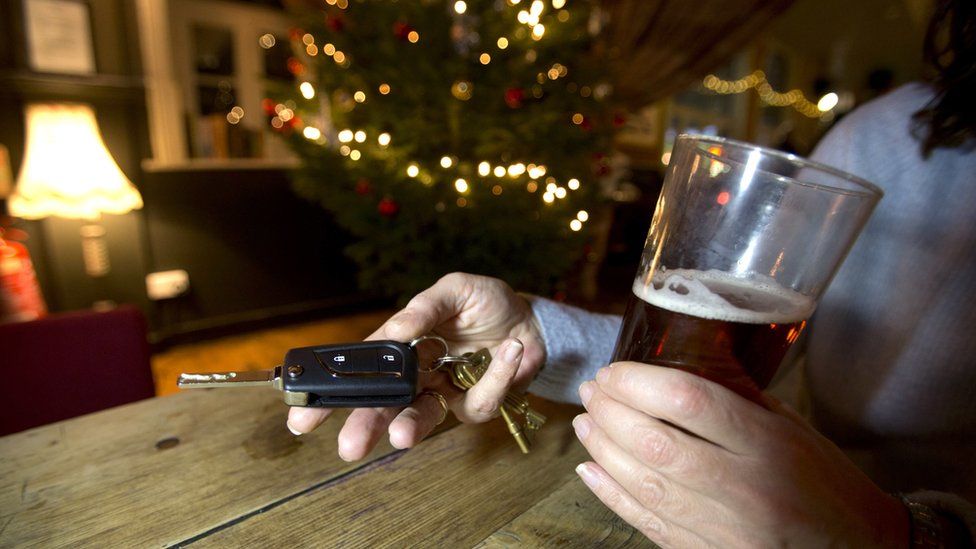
(469, 312)
(369, 374)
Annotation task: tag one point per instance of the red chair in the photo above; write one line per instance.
(69, 364)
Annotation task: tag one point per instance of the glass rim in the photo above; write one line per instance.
(869, 189)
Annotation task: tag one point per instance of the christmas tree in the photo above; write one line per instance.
(464, 135)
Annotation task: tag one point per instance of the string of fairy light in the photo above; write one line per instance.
(757, 81)
(352, 142)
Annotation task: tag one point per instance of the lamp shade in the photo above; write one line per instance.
(67, 171)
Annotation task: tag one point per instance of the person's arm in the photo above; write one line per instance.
(578, 343)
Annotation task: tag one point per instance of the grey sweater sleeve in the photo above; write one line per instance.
(578, 343)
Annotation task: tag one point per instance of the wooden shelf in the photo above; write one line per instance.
(222, 164)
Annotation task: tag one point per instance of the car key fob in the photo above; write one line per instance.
(370, 374)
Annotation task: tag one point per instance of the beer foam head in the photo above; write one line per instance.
(718, 295)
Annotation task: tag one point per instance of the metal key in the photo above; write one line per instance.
(348, 375)
(472, 366)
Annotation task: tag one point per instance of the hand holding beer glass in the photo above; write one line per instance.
(743, 242)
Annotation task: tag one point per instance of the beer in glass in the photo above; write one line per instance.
(743, 242)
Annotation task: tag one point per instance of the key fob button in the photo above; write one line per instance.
(389, 360)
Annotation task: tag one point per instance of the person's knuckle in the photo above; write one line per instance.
(656, 448)
(484, 407)
(650, 490)
(651, 526)
(689, 396)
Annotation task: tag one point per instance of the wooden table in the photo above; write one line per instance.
(217, 468)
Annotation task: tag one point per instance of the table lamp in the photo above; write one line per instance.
(68, 172)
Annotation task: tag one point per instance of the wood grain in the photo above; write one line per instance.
(569, 517)
(100, 480)
(453, 490)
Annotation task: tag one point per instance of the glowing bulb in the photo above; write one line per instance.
(484, 58)
(311, 133)
(548, 197)
(577, 119)
(551, 187)
(355, 154)
(339, 57)
(827, 102)
(360, 136)
(573, 184)
(461, 185)
(502, 43)
(383, 139)
(345, 136)
(446, 162)
(384, 89)
(560, 192)
(532, 186)
(412, 170)
(344, 150)
(535, 172)
(536, 8)
(329, 49)
(532, 20)
(307, 90)
(413, 37)
(582, 215)
(575, 225)
(499, 171)
(267, 41)
(484, 169)
(558, 4)
(538, 31)
(359, 96)
(523, 17)
(308, 39)
(460, 6)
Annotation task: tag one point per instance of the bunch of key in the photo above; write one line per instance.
(468, 368)
(370, 374)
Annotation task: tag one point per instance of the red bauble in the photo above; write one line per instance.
(514, 97)
(364, 187)
(335, 22)
(388, 207)
(295, 66)
(268, 106)
(619, 120)
(401, 30)
(295, 33)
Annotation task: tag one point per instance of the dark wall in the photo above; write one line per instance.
(252, 248)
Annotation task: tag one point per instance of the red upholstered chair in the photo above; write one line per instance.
(69, 364)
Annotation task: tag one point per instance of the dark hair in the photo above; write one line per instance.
(949, 120)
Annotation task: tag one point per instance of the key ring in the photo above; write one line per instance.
(438, 364)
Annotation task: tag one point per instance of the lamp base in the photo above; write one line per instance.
(94, 250)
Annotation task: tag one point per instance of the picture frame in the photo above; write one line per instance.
(59, 36)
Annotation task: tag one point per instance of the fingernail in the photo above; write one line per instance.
(588, 476)
(586, 391)
(294, 431)
(513, 351)
(603, 375)
(582, 426)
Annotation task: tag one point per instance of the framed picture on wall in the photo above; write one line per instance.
(59, 36)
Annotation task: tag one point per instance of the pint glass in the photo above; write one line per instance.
(743, 242)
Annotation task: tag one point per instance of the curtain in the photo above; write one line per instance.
(654, 48)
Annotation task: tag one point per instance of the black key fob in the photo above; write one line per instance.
(350, 375)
